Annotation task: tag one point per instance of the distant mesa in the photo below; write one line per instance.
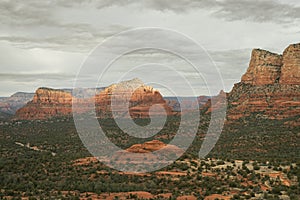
(186, 104)
(9, 105)
(48, 102)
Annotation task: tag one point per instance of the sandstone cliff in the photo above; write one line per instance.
(290, 72)
(264, 68)
(46, 103)
(270, 88)
(139, 96)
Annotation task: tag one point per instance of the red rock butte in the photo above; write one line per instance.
(270, 87)
(49, 102)
(46, 103)
(132, 94)
(270, 68)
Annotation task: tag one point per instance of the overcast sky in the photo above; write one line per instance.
(44, 42)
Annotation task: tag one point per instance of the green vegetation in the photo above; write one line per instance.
(50, 169)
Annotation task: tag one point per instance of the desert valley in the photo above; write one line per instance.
(256, 157)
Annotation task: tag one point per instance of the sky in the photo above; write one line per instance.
(46, 43)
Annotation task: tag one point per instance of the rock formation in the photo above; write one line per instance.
(264, 68)
(49, 103)
(290, 71)
(46, 103)
(152, 146)
(270, 88)
(131, 97)
(146, 147)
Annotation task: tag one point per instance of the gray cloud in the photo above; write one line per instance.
(34, 24)
(32, 29)
(45, 30)
(78, 39)
(252, 10)
(232, 64)
(23, 78)
(258, 11)
(232, 10)
(16, 82)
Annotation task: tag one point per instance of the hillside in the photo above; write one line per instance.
(9, 105)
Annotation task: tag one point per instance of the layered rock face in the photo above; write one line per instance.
(270, 88)
(133, 98)
(272, 102)
(52, 96)
(49, 103)
(264, 68)
(290, 72)
(46, 103)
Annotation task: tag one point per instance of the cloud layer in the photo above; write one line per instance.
(43, 43)
(37, 24)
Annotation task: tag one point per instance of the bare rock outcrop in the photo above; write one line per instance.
(290, 71)
(270, 88)
(46, 103)
(131, 97)
(264, 68)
